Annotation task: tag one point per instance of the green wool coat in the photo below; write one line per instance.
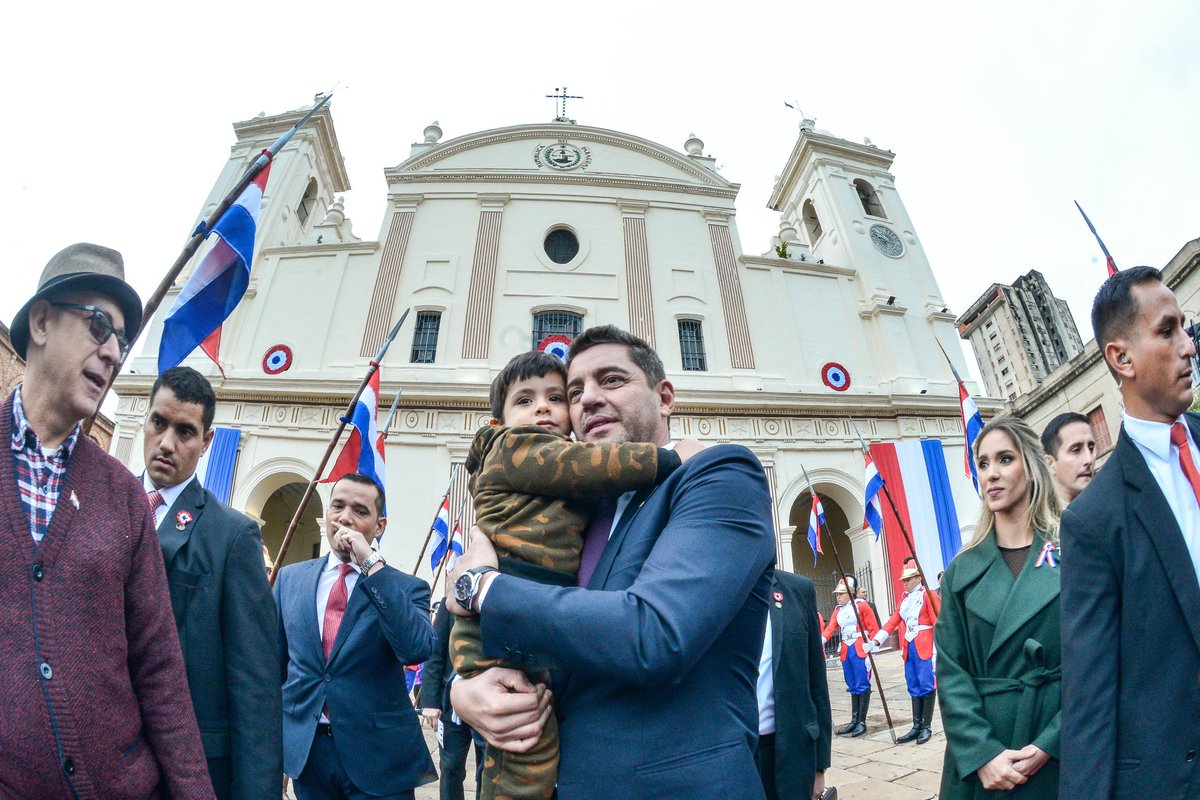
(999, 657)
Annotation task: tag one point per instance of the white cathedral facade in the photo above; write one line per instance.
(500, 239)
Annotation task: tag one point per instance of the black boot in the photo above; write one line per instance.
(853, 723)
(864, 702)
(917, 704)
(926, 719)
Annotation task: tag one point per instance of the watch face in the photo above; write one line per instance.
(462, 589)
(886, 241)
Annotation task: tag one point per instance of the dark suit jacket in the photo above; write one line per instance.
(803, 723)
(1131, 639)
(437, 672)
(663, 664)
(376, 731)
(226, 622)
(103, 679)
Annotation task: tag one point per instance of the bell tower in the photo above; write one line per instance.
(839, 206)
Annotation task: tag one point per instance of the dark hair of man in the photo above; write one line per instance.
(1115, 308)
(189, 386)
(365, 480)
(1052, 436)
(640, 353)
(533, 364)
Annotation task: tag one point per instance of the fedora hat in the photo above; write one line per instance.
(81, 266)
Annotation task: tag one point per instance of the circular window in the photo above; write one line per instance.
(562, 246)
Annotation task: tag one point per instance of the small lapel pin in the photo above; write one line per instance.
(1046, 556)
(778, 598)
(74, 500)
(182, 520)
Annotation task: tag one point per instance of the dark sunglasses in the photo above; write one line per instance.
(100, 325)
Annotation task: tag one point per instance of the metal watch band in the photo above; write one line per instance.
(370, 561)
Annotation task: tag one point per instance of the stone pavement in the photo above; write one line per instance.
(867, 767)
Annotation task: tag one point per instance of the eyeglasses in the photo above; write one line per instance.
(100, 325)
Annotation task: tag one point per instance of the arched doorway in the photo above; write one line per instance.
(277, 512)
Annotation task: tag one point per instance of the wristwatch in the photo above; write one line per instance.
(466, 588)
(370, 561)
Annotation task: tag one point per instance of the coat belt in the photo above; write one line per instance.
(1028, 685)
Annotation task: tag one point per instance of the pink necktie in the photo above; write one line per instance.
(1180, 440)
(154, 499)
(334, 609)
(595, 539)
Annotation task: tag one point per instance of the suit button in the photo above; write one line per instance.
(47, 673)
(69, 767)
(38, 572)
(508, 653)
(1191, 756)
(328, 678)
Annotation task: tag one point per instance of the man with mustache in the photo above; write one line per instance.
(1130, 560)
(660, 643)
(94, 687)
(224, 610)
(1070, 451)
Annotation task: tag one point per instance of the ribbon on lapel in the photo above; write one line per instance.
(192, 500)
(1033, 590)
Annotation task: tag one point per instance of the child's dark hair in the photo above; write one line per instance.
(533, 364)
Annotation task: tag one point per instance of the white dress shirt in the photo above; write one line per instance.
(169, 495)
(1153, 440)
(766, 686)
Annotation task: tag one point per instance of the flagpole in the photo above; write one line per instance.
(857, 619)
(199, 235)
(457, 522)
(428, 536)
(312, 484)
(935, 601)
(391, 413)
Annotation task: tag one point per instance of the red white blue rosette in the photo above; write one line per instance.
(278, 359)
(183, 519)
(835, 376)
(556, 345)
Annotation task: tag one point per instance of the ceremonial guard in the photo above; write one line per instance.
(855, 668)
(915, 617)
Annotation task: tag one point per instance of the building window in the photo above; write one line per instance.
(425, 336)
(691, 345)
(1004, 371)
(308, 202)
(562, 246)
(1099, 429)
(555, 323)
(869, 198)
(812, 224)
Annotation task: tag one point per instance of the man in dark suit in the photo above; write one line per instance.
(1131, 554)
(219, 593)
(349, 623)
(659, 700)
(795, 726)
(455, 737)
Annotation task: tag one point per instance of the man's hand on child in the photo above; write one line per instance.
(503, 707)
(687, 448)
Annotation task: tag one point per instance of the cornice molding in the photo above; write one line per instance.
(802, 267)
(586, 179)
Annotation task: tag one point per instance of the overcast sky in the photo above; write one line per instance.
(116, 125)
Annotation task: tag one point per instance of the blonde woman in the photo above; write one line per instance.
(998, 643)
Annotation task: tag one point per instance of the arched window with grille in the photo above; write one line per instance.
(812, 224)
(556, 323)
(308, 202)
(869, 198)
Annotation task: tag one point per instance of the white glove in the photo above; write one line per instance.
(880, 638)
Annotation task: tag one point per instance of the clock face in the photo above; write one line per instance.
(886, 241)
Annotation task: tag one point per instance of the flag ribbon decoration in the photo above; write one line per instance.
(337, 435)
(872, 512)
(908, 539)
(853, 607)
(972, 421)
(199, 234)
(440, 526)
(1108, 259)
(816, 520)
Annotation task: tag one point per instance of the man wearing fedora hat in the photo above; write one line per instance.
(915, 617)
(97, 696)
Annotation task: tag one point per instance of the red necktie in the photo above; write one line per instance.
(335, 608)
(154, 499)
(1180, 440)
(595, 539)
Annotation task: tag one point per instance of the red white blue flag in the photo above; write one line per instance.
(456, 545)
(217, 285)
(874, 484)
(363, 451)
(972, 425)
(441, 533)
(816, 519)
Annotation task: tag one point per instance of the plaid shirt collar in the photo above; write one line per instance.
(24, 438)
